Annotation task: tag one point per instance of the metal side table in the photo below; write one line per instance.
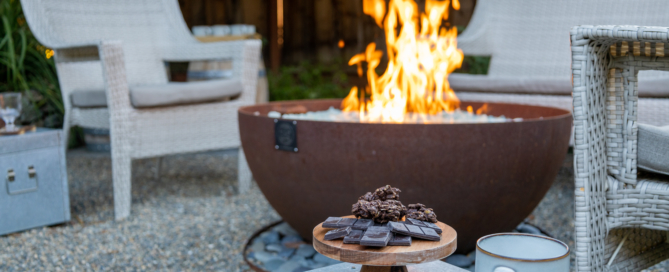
(33, 181)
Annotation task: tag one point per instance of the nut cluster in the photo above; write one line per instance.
(383, 206)
(420, 212)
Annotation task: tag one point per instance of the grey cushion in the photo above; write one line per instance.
(176, 93)
(89, 99)
(549, 86)
(653, 149)
(173, 93)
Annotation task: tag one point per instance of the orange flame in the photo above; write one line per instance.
(483, 109)
(420, 57)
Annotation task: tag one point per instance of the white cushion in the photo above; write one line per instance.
(173, 93)
(485, 83)
(655, 87)
(177, 93)
(653, 149)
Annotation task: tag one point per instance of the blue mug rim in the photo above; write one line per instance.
(478, 247)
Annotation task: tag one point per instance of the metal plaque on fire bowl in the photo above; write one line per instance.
(285, 135)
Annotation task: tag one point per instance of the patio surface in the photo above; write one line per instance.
(190, 218)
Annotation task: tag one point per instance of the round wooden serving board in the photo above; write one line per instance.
(420, 251)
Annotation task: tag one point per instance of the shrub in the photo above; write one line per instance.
(28, 67)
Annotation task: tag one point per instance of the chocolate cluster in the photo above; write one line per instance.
(422, 213)
(383, 206)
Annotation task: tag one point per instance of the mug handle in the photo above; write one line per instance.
(503, 269)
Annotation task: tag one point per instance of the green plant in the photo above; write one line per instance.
(476, 65)
(308, 81)
(28, 67)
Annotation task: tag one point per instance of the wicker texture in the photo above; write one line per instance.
(527, 40)
(115, 44)
(608, 194)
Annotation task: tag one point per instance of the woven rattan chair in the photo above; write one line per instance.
(530, 61)
(622, 221)
(115, 45)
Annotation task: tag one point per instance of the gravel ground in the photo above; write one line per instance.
(187, 218)
(190, 219)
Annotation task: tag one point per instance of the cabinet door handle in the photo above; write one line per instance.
(31, 171)
(11, 175)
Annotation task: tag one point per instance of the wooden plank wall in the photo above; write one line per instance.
(312, 28)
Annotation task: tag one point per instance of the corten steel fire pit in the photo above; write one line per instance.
(479, 178)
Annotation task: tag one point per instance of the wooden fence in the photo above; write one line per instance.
(312, 29)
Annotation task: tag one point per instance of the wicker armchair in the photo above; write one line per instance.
(622, 221)
(529, 51)
(116, 45)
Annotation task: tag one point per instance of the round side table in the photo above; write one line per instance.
(389, 258)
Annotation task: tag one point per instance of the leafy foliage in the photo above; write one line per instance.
(308, 81)
(26, 66)
(476, 65)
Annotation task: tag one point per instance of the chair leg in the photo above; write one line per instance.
(121, 174)
(243, 173)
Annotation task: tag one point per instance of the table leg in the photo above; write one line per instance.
(368, 268)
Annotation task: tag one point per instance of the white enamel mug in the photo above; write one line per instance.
(237, 30)
(519, 252)
(202, 31)
(221, 30)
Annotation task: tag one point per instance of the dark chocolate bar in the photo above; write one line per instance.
(363, 224)
(331, 222)
(423, 224)
(376, 236)
(337, 233)
(400, 240)
(346, 222)
(353, 237)
(414, 231)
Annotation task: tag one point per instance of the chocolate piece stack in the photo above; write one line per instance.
(358, 231)
(378, 221)
(366, 233)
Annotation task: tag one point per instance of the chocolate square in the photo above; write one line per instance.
(398, 227)
(400, 240)
(414, 230)
(363, 224)
(346, 222)
(337, 233)
(376, 236)
(353, 237)
(433, 226)
(430, 234)
(331, 222)
(416, 222)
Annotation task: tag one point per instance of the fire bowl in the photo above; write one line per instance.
(479, 178)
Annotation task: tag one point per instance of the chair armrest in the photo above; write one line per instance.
(110, 54)
(474, 40)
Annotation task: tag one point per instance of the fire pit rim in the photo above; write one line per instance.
(246, 111)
